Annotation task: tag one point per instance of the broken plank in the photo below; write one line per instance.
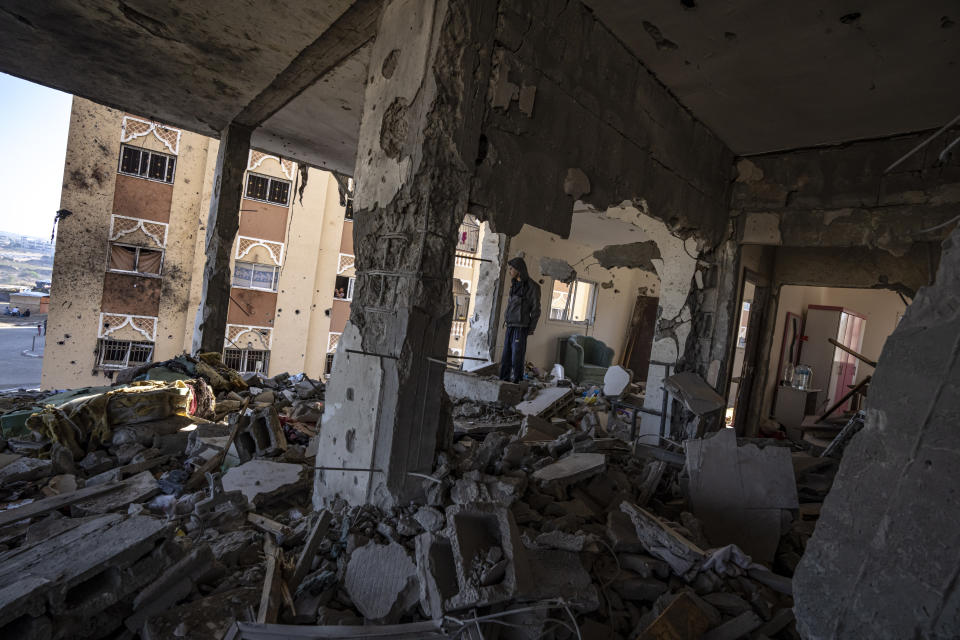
(267, 525)
(305, 561)
(138, 488)
(270, 596)
(46, 505)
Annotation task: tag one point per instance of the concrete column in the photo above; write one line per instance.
(222, 225)
(419, 138)
(485, 321)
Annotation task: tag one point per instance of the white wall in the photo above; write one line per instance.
(614, 303)
(879, 306)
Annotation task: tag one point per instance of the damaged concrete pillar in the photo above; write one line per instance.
(419, 138)
(482, 338)
(222, 225)
(883, 561)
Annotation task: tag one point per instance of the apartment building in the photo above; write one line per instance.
(129, 259)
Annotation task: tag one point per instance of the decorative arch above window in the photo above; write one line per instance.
(246, 244)
(134, 128)
(113, 322)
(121, 226)
(238, 335)
(257, 157)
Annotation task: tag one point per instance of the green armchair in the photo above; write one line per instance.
(585, 360)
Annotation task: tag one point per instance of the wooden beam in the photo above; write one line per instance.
(270, 596)
(305, 561)
(46, 505)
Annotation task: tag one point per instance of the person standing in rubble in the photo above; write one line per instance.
(523, 312)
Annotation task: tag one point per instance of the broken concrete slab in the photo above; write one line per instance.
(573, 468)
(24, 468)
(546, 401)
(475, 531)
(462, 385)
(738, 492)
(662, 541)
(45, 577)
(382, 581)
(694, 392)
(536, 429)
(262, 480)
(437, 573)
(136, 489)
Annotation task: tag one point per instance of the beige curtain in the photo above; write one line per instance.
(123, 258)
(149, 261)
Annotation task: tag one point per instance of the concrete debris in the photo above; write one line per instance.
(264, 480)
(739, 493)
(185, 526)
(462, 385)
(573, 468)
(382, 581)
(696, 395)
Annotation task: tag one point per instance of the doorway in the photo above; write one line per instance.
(751, 305)
(643, 324)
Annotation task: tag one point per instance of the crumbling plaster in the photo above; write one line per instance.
(603, 124)
(841, 196)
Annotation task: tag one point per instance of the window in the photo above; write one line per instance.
(268, 189)
(131, 259)
(468, 237)
(247, 360)
(147, 164)
(343, 288)
(461, 300)
(120, 354)
(250, 275)
(575, 302)
(328, 365)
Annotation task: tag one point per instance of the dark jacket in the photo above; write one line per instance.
(523, 306)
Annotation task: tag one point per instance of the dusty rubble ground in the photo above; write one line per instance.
(178, 505)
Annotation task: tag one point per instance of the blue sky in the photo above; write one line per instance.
(34, 121)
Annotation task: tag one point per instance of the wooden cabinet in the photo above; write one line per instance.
(834, 370)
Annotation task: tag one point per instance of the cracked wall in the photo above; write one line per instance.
(840, 196)
(601, 130)
(883, 560)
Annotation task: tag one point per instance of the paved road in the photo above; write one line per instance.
(17, 370)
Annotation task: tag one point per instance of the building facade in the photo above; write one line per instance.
(128, 267)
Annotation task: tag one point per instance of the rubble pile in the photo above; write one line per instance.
(174, 507)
